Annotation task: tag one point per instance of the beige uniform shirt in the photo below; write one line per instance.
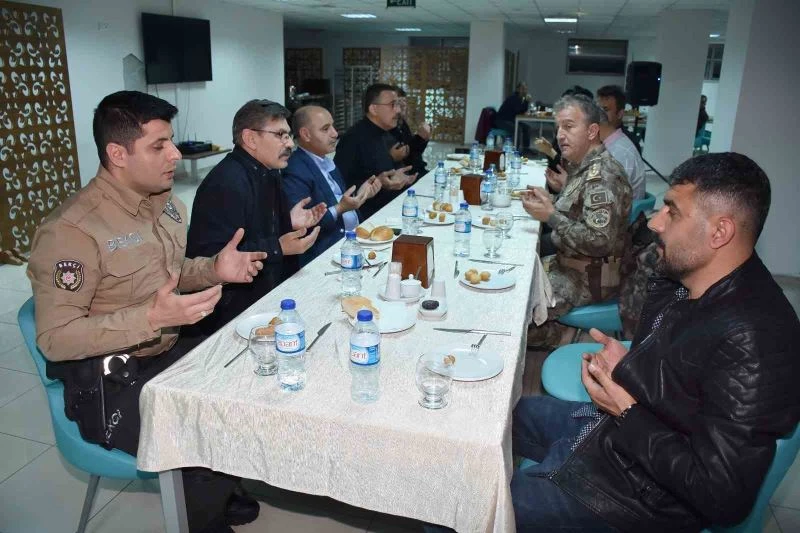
(96, 264)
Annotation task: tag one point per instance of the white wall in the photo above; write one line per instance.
(486, 71)
(333, 42)
(246, 62)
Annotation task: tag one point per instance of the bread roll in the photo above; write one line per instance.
(353, 304)
(372, 254)
(362, 232)
(442, 216)
(485, 275)
(381, 233)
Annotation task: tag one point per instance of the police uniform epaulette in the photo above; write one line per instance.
(594, 171)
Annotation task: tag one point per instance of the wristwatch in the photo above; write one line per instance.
(621, 416)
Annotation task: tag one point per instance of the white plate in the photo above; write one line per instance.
(407, 299)
(439, 312)
(395, 316)
(449, 218)
(246, 325)
(496, 281)
(457, 157)
(370, 242)
(469, 367)
(477, 222)
(382, 255)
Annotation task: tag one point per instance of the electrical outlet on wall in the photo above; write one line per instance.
(103, 26)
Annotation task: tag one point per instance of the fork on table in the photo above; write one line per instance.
(504, 270)
(475, 346)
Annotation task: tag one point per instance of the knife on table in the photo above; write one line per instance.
(494, 262)
(321, 331)
(467, 330)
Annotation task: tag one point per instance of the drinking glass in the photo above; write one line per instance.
(505, 221)
(492, 240)
(433, 377)
(262, 349)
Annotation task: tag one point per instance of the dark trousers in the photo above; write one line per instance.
(543, 429)
(207, 492)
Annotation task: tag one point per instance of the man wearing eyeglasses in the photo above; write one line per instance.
(364, 150)
(245, 191)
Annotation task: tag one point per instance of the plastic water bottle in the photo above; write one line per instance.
(463, 231)
(487, 189)
(516, 170)
(474, 157)
(365, 358)
(352, 260)
(410, 213)
(290, 343)
(440, 182)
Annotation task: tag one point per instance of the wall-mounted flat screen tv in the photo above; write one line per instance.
(176, 49)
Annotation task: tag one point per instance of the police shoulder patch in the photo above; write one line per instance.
(172, 212)
(598, 219)
(68, 275)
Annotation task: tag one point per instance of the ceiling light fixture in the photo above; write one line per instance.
(566, 20)
(713, 35)
(359, 16)
(408, 29)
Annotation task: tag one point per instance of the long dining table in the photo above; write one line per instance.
(451, 466)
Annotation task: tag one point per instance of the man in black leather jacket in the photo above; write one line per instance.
(682, 427)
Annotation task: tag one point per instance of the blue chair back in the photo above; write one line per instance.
(641, 206)
(83, 455)
(603, 316)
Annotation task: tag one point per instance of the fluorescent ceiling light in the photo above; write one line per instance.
(408, 29)
(358, 16)
(561, 19)
(713, 35)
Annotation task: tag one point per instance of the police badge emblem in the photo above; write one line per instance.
(68, 275)
(172, 212)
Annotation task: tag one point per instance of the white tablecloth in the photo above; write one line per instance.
(450, 467)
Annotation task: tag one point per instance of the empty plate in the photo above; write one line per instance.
(469, 366)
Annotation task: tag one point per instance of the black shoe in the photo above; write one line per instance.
(241, 508)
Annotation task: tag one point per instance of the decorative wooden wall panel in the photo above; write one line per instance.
(38, 153)
(435, 80)
(302, 64)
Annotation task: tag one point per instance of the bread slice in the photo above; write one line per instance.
(353, 304)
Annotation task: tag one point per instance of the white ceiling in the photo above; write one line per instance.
(597, 18)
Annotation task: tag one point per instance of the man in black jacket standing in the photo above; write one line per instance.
(682, 427)
(245, 191)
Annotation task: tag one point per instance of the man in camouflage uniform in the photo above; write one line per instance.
(589, 217)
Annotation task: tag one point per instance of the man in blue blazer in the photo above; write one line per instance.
(311, 174)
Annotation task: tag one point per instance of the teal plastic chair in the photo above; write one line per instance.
(561, 371)
(91, 458)
(641, 206)
(703, 139)
(494, 132)
(603, 316)
(561, 378)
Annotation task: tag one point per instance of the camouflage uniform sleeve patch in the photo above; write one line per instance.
(598, 219)
(599, 198)
(68, 275)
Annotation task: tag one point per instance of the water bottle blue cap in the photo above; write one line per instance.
(440, 163)
(464, 205)
(349, 234)
(287, 305)
(365, 315)
(411, 192)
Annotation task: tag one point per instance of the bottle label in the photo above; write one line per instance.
(352, 262)
(290, 344)
(365, 355)
(464, 226)
(409, 211)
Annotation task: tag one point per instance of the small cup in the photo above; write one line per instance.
(396, 267)
(438, 289)
(410, 288)
(393, 286)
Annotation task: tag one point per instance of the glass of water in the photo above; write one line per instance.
(262, 350)
(434, 377)
(505, 221)
(492, 240)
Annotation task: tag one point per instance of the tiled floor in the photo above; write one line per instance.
(34, 476)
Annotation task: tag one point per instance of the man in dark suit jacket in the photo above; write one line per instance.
(311, 174)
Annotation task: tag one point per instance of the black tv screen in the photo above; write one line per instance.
(176, 49)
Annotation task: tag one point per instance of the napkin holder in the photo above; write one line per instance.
(494, 156)
(471, 185)
(416, 254)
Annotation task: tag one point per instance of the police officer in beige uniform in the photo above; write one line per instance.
(108, 272)
(589, 217)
